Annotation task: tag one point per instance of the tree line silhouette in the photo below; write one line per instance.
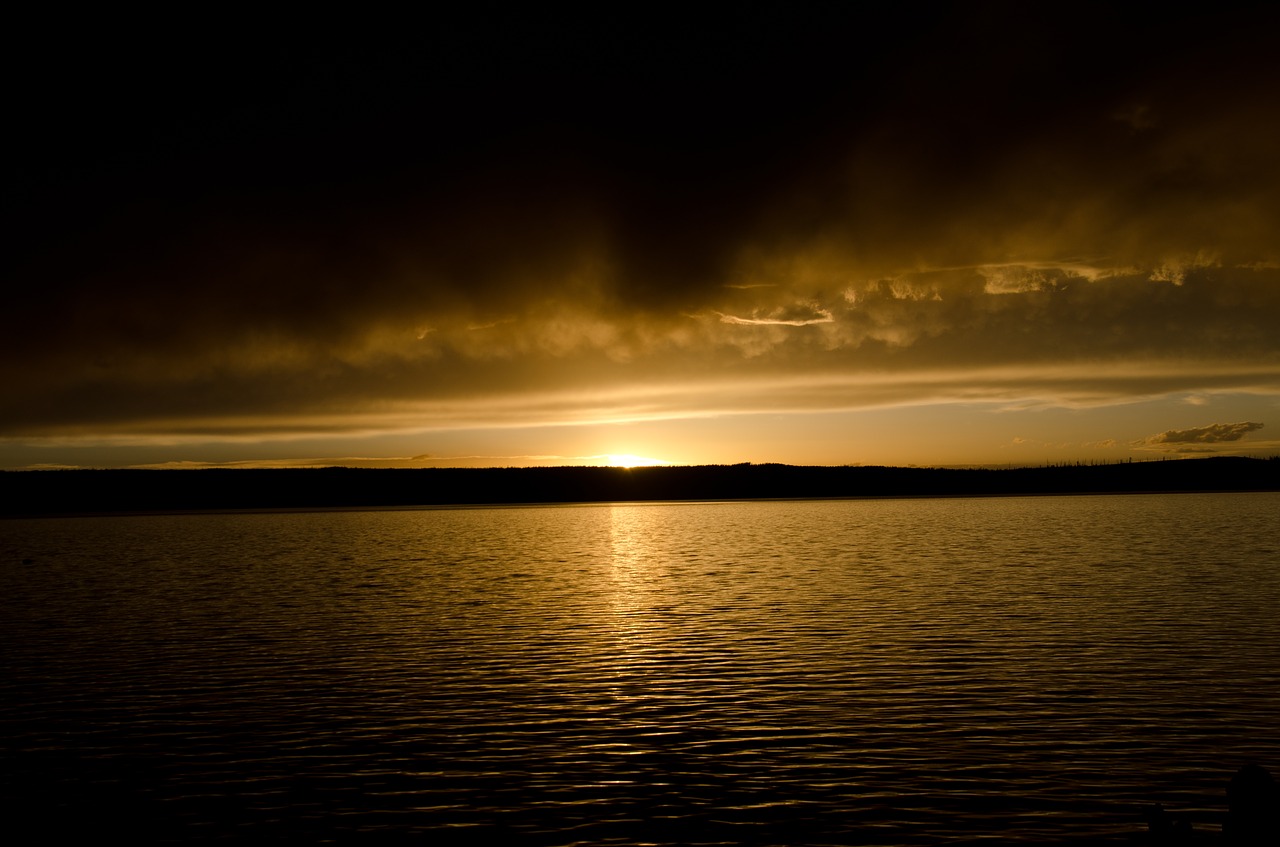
(52, 492)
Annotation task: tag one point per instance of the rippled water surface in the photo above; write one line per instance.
(1027, 670)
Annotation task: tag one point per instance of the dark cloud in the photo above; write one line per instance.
(310, 223)
(1212, 434)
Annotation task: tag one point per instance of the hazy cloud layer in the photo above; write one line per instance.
(555, 461)
(551, 221)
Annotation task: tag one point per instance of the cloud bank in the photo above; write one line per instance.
(537, 222)
(1211, 434)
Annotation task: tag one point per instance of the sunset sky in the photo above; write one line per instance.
(939, 235)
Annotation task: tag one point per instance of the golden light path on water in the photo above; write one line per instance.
(900, 672)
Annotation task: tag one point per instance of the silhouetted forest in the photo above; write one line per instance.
(99, 491)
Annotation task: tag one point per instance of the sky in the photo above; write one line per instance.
(933, 234)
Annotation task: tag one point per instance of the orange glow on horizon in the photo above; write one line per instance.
(629, 460)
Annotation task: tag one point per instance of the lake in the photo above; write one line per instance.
(1018, 670)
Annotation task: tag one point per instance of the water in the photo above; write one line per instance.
(1020, 670)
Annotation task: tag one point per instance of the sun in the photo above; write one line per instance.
(630, 460)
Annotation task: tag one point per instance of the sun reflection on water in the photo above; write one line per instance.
(635, 573)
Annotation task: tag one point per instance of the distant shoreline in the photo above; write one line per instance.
(119, 492)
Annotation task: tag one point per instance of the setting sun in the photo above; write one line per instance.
(628, 460)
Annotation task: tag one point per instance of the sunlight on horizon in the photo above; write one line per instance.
(629, 460)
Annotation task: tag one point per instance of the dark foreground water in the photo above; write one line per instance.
(1023, 670)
